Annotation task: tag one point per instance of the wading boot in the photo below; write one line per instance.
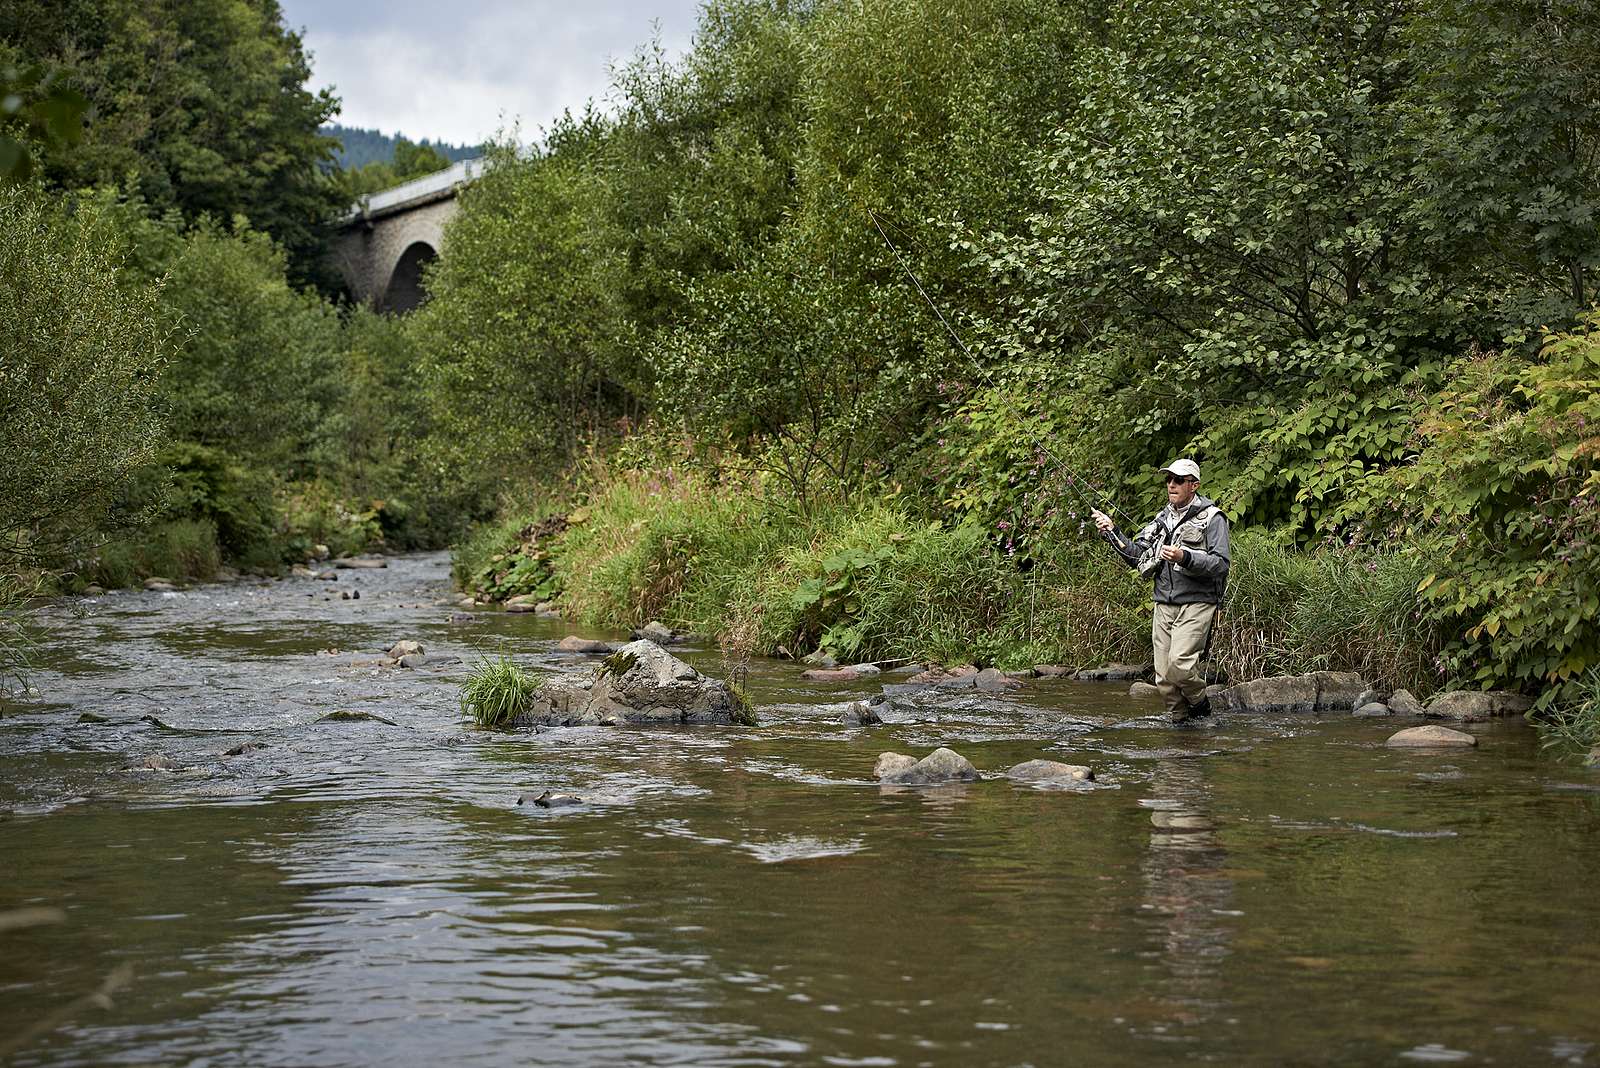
(1189, 713)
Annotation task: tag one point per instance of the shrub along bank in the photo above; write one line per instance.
(704, 551)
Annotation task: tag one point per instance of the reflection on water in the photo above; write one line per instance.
(346, 893)
(1187, 889)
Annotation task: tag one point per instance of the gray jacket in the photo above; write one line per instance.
(1202, 576)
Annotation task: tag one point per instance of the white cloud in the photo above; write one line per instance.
(460, 73)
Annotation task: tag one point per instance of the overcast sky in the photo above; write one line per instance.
(458, 70)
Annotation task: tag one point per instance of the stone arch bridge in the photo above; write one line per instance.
(384, 241)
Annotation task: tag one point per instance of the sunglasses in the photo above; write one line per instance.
(1178, 480)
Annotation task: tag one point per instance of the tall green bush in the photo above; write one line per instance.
(84, 346)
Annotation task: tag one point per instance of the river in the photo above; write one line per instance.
(1260, 891)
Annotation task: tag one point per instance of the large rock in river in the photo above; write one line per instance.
(941, 765)
(1050, 771)
(641, 683)
(1472, 706)
(1320, 691)
(1430, 737)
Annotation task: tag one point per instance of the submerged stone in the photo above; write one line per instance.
(550, 799)
(1430, 736)
(346, 715)
(244, 747)
(1143, 690)
(1047, 770)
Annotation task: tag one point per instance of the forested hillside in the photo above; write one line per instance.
(359, 146)
(1343, 254)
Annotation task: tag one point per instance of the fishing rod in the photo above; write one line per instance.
(1072, 481)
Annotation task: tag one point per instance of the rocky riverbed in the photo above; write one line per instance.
(275, 814)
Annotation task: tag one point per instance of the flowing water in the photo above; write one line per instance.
(1261, 891)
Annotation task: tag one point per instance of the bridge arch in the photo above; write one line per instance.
(404, 288)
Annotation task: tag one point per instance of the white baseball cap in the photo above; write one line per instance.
(1183, 469)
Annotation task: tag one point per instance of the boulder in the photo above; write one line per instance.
(941, 765)
(360, 562)
(1367, 697)
(863, 714)
(1114, 673)
(574, 644)
(1405, 703)
(160, 762)
(1283, 693)
(1472, 706)
(411, 660)
(641, 683)
(656, 631)
(405, 647)
(328, 576)
(1320, 691)
(1220, 697)
(993, 680)
(156, 582)
(1430, 736)
(547, 609)
(1144, 690)
(93, 590)
(848, 673)
(1050, 770)
(520, 608)
(297, 571)
(1051, 671)
(1373, 709)
(818, 658)
(522, 599)
(1337, 690)
(891, 764)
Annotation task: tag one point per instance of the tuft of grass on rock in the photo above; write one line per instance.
(497, 693)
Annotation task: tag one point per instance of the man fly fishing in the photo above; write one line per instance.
(1184, 550)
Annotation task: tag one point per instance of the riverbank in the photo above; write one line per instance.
(873, 581)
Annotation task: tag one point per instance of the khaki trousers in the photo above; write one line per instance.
(1179, 633)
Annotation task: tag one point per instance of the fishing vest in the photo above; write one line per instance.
(1190, 532)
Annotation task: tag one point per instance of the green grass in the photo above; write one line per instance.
(497, 693)
(1291, 611)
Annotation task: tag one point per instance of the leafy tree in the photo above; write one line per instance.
(84, 347)
(203, 104)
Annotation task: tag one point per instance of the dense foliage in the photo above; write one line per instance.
(200, 107)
